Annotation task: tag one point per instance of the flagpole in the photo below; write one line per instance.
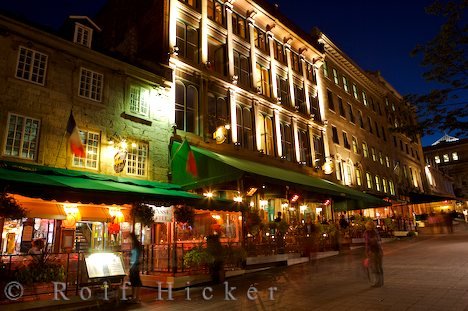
(60, 147)
(61, 142)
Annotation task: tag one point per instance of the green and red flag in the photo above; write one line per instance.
(191, 165)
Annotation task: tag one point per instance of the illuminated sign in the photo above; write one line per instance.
(163, 213)
(101, 265)
(120, 159)
(220, 134)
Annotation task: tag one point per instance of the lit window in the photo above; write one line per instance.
(335, 76)
(266, 134)
(358, 177)
(377, 183)
(139, 100)
(83, 35)
(392, 187)
(387, 160)
(369, 180)
(437, 159)
(384, 185)
(325, 69)
(91, 143)
(90, 84)
(345, 84)
(381, 158)
(31, 66)
(355, 145)
(364, 98)
(263, 80)
(137, 158)
(446, 158)
(355, 93)
(454, 156)
(22, 137)
(374, 155)
(365, 151)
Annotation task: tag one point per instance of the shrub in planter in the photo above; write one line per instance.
(198, 257)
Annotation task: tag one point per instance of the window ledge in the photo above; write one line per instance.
(135, 118)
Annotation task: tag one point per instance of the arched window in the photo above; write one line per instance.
(187, 41)
(266, 134)
(217, 112)
(186, 107)
(286, 141)
(244, 128)
(304, 147)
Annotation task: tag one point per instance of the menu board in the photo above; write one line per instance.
(100, 265)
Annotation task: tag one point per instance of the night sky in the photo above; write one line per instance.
(376, 35)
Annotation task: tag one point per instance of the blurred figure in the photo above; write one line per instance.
(37, 247)
(374, 254)
(135, 268)
(343, 222)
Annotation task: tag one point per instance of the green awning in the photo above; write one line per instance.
(77, 186)
(215, 168)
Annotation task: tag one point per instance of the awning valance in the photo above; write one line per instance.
(215, 168)
(75, 186)
(418, 198)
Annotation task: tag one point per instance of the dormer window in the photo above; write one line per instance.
(83, 35)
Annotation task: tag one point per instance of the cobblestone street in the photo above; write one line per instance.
(425, 273)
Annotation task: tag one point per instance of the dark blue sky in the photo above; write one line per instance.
(376, 35)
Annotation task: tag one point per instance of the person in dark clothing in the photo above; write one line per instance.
(374, 254)
(135, 280)
(343, 222)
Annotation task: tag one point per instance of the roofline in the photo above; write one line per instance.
(87, 18)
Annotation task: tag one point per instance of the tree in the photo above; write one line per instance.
(445, 58)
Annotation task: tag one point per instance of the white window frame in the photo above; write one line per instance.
(355, 145)
(377, 183)
(91, 150)
(84, 31)
(387, 160)
(93, 86)
(364, 98)
(22, 141)
(369, 180)
(31, 70)
(358, 177)
(446, 158)
(335, 76)
(437, 159)
(355, 92)
(391, 187)
(345, 84)
(384, 185)
(454, 156)
(137, 159)
(365, 150)
(141, 97)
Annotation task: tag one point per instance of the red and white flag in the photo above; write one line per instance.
(76, 144)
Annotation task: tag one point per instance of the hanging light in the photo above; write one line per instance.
(208, 194)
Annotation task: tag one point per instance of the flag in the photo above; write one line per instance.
(191, 165)
(76, 144)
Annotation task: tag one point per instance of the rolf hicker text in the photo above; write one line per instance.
(230, 293)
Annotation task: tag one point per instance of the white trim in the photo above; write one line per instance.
(85, 29)
(30, 71)
(7, 125)
(88, 91)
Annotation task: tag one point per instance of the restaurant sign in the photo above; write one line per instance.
(120, 159)
(163, 213)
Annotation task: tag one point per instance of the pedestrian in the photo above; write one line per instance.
(134, 274)
(37, 247)
(343, 222)
(374, 254)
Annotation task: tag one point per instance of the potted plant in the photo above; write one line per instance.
(184, 214)
(143, 213)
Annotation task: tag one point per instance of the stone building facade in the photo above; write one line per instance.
(45, 77)
(449, 155)
(362, 112)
